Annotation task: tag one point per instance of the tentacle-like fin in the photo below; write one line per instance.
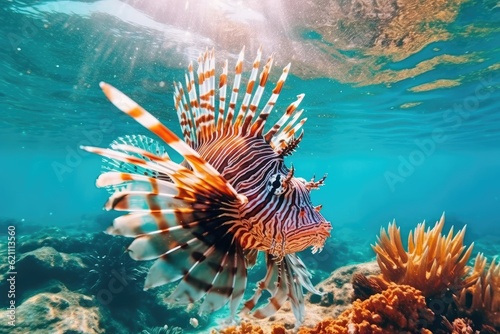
(284, 280)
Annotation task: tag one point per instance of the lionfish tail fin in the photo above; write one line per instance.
(284, 280)
(202, 122)
(183, 218)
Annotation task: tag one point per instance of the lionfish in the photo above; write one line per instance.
(205, 220)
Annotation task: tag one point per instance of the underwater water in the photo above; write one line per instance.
(402, 103)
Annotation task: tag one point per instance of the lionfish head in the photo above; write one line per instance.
(294, 224)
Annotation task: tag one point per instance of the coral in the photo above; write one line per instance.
(364, 287)
(432, 264)
(399, 309)
(248, 328)
(481, 297)
(462, 326)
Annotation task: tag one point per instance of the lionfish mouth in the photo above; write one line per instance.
(322, 233)
(296, 242)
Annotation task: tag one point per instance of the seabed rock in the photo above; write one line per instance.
(47, 263)
(39, 266)
(55, 312)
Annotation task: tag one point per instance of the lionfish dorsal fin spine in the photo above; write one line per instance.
(212, 89)
(286, 116)
(205, 117)
(257, 96)
(222, 95)
(281, 141)
(183, 113)
(193, 100)
(258, 125)
(236, 88)
(249, 90)
(202, 102)
(201, 123)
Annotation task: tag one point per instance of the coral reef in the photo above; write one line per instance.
(363, 287)
(72, 279)
(480, 300)
(436, 265)
(338, 289)
(399, 309)
(248, 328)
(336, 298)
(68, 277)
(433, 263)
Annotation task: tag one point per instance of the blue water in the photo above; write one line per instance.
(405, 123)
(391, 149)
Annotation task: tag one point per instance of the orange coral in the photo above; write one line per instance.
(244, 328)
(399, 309)
(462, 326)
(482, 294)
(432, 264)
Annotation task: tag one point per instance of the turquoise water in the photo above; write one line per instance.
(404, 118)
(362, 120)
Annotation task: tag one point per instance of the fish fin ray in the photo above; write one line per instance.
(284, 280)
(200, 167)
(143, 143)
(200, 123)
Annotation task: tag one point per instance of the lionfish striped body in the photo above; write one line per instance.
(205, 220)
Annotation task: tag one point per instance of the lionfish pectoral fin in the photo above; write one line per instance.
(142, 144)
(284, 281)
(184, 222)
(182, 217)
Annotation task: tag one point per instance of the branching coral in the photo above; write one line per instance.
(399, 309)
(482, 295)
(432, 264)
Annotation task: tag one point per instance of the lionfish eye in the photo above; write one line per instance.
(275, 184)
